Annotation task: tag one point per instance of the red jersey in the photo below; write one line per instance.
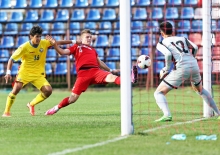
(85, 56)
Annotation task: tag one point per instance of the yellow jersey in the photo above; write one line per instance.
(33, 58)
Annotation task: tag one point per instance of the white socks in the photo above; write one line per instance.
(162, 103)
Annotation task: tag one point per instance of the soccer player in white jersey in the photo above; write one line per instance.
(177, 49)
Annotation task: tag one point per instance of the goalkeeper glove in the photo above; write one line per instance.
(163, 73)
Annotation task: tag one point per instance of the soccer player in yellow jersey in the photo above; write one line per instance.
(32, 69)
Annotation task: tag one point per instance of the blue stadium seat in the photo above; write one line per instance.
(6, 4)
(182, 35)
(21, 40)
(4, 55)
(142, 71)
(91, 26)
(97, 3)
(152, 26)
(133, 54)
(45, 27)
(60, 69)
(35, 4)
(48, 69)
(149, 41)
(101, 41)
(137, 26)
(187, 13)
(66, 3)
(111, 65)
(214, 26)
(198, 13)
(172, 13)
(25, 28)
(1, 28)
(74, 28)
(157, 13)
(105, 27)
(191, 2)
(117, 27)
(196, 26)
(116, 41)
(135, 40)
(101, 53)
(145, 51)
(159, 55)
(93, 14)
(62, 58)
(31, 15)
(56, 37)
(11, 29)
(51, 4)
(3, 17)
(158, 66)
(62, 15)
(78, 14)
(132, 2)
(7, 42)
(174, 2)
(47, 15)
(111, 3)
(140, 13)
(81, 3)
(109, 14)
(159, 2)
(2, 72)
(113, 54)
(20, 4)
(51, 55)
(14, 69)
(183, 26)
(143, 2)
(16, 16)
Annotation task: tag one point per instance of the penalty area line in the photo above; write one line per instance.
(66, 151)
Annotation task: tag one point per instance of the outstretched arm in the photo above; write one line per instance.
(103, 66)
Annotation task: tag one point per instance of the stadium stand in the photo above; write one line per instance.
(14, 69)
(135, 40)
(25, 28)
(196, 26)
(3, 16)
(113, 54)
(21, 40)
(81, 3)
(93, 14)
(77, 14)
(109, 14)
(116, 41)
(74, 28)
(48, 69)
(143, 3)
(174, 2)
(47, 15)
(7, 42)
(172, 13)
(187, 13)
(62, 15)
(11, 29)
(2, 72)
(51, 55)
(20, 4)
(159, 2)
(112, 3)
(51, 4)
(101, 53)
(140, 14)
(137, 26)
(60, 69)
(31, 16)
(66, 4)
(16, 16)
(35, 4)
(157, 13)
(101, 41)
(105, 27)
(97, 3)
(4, 55)
(6, 4)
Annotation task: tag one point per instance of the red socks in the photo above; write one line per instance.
(118, 81)
(64, 103)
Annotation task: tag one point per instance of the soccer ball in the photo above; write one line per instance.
(143, 61)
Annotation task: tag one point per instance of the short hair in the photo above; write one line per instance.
(36, 30)
(166, 27)
(86, 31)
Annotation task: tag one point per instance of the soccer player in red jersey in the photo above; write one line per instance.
(90, 69)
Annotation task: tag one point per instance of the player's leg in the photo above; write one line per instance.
(11, 98)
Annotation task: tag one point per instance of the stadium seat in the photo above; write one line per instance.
(132, 2)
(198, 13)
(135, 40)
(158, 65)
(190, 2)
(31, 16)
(111, 65)
(21, 40)
(157, 13)
(199, 54)
(109, 14)
(111, 3)
(182, 35)
(51, 4)
(20, 4)
(172, 13)
(81, 3)
(149, 41)
(25, 28)
(159, 2)
(142, 71)
(215, 13)
(145, 51)
(133, 54)
(196, 38)
(45, 27)
(117, 27)
(101, 41)
(183, 26)
(217, 38)
(47, 15)
(137, 27)
(77, 14)
(174, 2)
(218, 25)
(91, 26)
(62, 58)
(215, 66)
(187, 13)
(216, 53)
(3, 17)
(62, 15)
(66, 3)
(60, 69)
(14, 69)
(140, 13)
(11, 29)
(101, 53)
(152, 26)
(214, 26)
(7, 42)
(97, 3)
(196, 26)
(113, 54)
(51, 55)
(105, 27)
(6, 4)
(1, 28)
(4, 55)
(93, 14)
(16, 16)
(143, 3)
(2, 72)
(48, 69)
(73, 69)
(35, 4)
(116, 41)
(74, 28)
(159, 55)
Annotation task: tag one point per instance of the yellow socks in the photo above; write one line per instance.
(10, 100)
(39, 98)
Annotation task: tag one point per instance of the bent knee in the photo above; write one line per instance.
(110, 78)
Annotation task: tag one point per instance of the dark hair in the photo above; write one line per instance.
(36, 30)
(86, 31)
(166, 27)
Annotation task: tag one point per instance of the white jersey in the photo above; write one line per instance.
(178, 49)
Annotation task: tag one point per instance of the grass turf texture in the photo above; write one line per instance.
(96, 118)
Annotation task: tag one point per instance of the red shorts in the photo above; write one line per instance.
(89, 77)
